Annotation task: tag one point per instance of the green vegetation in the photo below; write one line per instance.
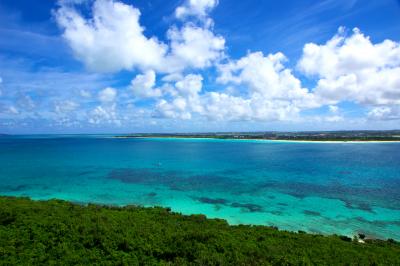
(63, 233)
(385, 135)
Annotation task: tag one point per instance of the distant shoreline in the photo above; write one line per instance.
(260, 140)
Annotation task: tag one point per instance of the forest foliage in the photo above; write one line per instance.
(57, 232)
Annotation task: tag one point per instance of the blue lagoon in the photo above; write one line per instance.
(327, 188)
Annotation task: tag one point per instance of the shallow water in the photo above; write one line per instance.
(342, 188)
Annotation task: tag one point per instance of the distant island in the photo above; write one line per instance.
(340, 136)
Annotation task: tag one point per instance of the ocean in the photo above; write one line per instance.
(324, 188)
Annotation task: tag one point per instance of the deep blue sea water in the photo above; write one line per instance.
(327, 188)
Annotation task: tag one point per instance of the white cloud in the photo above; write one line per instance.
(66, 114)
(264, 75)
(196, 8)
(190, 85)
(172, 77)
(352, 68)
(385, 113)
(112, 39)
(8, 110)
(256, 87)
(221, 106)
(65, 106)
(67, 2)
(143, 85)
(348, 54)
(104, 115)
(274, 93)
(185, 99)
(107, 95)
(195, 47)
(333, 108)
(175, 109)
(13, 110)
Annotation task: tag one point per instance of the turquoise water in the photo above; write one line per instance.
(342, 188)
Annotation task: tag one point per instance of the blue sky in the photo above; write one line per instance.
(104, 66)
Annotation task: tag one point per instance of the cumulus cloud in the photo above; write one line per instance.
(190, 85)
(264, 75)
(65, 106)
(185, 99)
(8, 110)
(172, 77)
(193, 46)
(104, 115)
(196, 8)
(348, 67)
(384, 113)
(142, 85)
(13, 110)
(66, 113)
(107, 95)
(112, 39)
(352, 68)
(274, 93)
(222, 106)
(176, 109)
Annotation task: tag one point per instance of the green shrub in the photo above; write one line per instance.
(59, 232)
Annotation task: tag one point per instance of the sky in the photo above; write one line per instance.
(129, 66)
